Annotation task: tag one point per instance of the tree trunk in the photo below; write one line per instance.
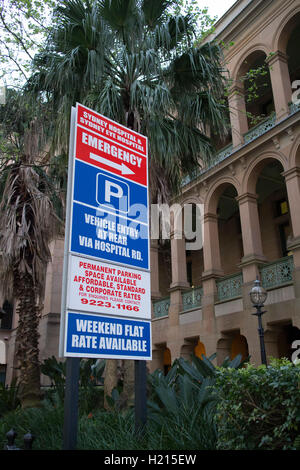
(110, 379)
(127, 396)
(27, 338)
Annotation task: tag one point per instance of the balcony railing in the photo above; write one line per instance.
(219, 157)
(192, 298)
(230, 287)
(294, 108)
(278, 273)
(249, 136)
(260, 129)
(161, 307)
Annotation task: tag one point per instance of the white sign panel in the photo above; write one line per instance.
(100, 287)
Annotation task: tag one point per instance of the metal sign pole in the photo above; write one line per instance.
(71, 404)
(140, 396)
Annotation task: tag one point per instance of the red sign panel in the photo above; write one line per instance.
(108, 145)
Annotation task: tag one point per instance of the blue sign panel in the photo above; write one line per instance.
(112, 193)
(110, 337)
(109, 237)
(99, 188)
(109, 217)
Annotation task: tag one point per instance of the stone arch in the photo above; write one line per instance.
(249, 55)
(213, 195)
(255, 168)
(191, 200)
(239, 345)
(223, 350)
(167, 360)
(283, 32)
(294, 157)
(188, 348)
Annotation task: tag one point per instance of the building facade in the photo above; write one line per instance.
(250, 196)
(251, 201)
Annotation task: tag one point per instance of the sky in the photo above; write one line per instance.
(216, 7)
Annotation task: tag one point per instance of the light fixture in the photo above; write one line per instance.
(258, 296)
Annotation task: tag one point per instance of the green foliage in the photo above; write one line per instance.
(182, 404)
(258, 408)
(56, 372)
(23, 29)
(90, 377)
(45, 423)
(182, 412)
(195, 406)
(136, 63)
(9, 397)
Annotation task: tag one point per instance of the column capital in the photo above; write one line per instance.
(275, 56)
(293, 244)
(253, 259)
(291, 173)
(236, 89)
(180, 285)
(210, 217)
(246, 197)
(212, 274)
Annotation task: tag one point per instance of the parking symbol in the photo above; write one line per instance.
(112, 193)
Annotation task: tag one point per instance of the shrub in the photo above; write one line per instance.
(9, 397)
(259, 407)
(90, 394)
(182, 403)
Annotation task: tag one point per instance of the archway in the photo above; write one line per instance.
(193, 225)
(199, 350)
(188, 348)
(229, 228)
(167, 360)
(238, 346)
(266, 180)
(288, 44)
(255, 79)
(286, 338)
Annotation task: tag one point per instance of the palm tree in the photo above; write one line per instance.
(135, 62)
(28, 223)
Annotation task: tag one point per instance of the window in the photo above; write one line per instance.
(2, 374)
(282, 207)
(6, 322)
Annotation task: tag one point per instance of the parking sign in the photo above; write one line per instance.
(106, 267)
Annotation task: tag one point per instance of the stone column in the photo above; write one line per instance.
(251, 234)
(238, 116)
(292, 180)
(252, 259)
(154, 263)
(212, 271)
(281, 83)
(179, 275)
(211, 245)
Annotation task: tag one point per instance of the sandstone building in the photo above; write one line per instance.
(251, 201)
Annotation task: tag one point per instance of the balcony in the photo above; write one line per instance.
(253, 134)
(260, 129)
(192, 299)
(278, 273)
(229, 287)
(161, 307)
